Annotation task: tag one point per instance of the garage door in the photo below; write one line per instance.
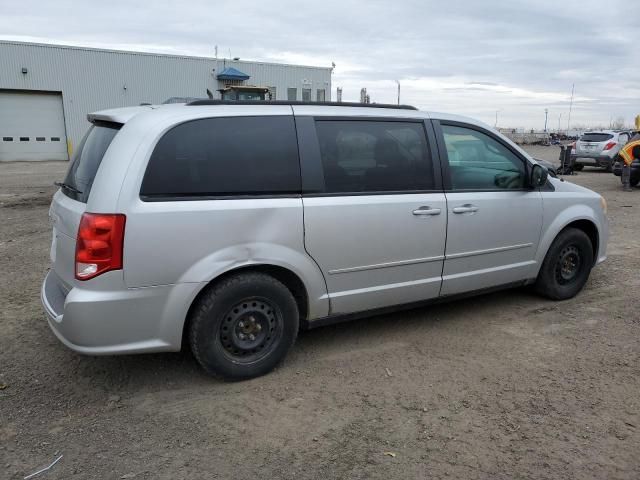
(32, 126)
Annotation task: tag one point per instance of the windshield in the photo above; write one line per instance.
(87, 159)
(596, 137)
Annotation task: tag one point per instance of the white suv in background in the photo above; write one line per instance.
(598, 148)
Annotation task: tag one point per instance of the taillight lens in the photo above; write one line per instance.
(99, 244)
(610, 145)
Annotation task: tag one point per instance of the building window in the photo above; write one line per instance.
(306, 94)
(320, 95)
(271, 96)
(292, 94)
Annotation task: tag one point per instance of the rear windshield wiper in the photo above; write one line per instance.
(67, 186)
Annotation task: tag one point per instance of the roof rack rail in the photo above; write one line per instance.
(285, 102)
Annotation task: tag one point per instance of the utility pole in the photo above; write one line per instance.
(570, 107)
(546, 114)
(398, 82)
(496, 124)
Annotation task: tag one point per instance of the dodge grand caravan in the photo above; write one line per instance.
(228, 226)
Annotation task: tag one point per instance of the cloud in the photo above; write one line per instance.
(466, 56)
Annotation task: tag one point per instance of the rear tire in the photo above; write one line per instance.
(578, 167)
(634, 181)
(567, 265)
(244, 326)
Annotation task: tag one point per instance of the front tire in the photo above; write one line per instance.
(244, 326)
(567, 265)
(578, 167)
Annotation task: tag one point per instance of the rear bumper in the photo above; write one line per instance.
(597, 160)
(108, 322)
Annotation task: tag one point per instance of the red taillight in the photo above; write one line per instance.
(610, 145)
(99, 244)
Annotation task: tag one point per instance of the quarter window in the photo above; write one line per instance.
(371, 156)
(479, 162)
(223, 157)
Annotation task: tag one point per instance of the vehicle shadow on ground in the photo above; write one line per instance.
(175, 370)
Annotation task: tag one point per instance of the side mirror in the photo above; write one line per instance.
(539, 176)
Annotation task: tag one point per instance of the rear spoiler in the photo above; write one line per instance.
(118, 115)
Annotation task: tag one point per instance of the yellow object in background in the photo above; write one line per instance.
(626, 152)
(638, 122)
(70, 145)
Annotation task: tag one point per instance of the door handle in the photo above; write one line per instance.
(426, 211)
(468, 208)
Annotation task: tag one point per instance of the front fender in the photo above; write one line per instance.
(554, 225)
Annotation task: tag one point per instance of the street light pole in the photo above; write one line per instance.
(570, 108)
(496, 125)
(546, 113)
(559, 118)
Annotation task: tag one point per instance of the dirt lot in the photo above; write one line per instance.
(507, 385)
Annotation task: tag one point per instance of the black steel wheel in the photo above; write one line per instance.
(567, 265)
(250, 328)
(243, 326)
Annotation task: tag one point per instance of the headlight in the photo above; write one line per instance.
(603, 204)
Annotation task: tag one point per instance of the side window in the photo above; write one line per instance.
(225, 156)
(371, 156)
(479, 162)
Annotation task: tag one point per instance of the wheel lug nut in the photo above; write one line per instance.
(241, 336)
(241, 324)
(252, 337)
(258, 327)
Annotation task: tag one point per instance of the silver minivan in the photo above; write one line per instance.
(229, 226)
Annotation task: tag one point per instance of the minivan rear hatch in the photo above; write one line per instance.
(70, 202)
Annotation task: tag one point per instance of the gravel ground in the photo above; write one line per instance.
(502, 386)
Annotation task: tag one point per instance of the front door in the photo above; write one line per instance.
(376, 223)
(495, 219)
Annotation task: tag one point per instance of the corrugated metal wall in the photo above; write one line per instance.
(92, 79)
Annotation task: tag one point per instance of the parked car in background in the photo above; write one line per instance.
(598, 148)
(227, 226)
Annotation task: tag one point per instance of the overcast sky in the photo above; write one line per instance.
(472, 57)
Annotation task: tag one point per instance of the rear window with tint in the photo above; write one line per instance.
(596, 137)
(215, 157)
(87, 159)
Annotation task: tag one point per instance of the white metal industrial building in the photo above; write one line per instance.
(46, 91)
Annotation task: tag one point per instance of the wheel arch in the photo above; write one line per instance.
(590, 228)
(585, 223)
(284, 275)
